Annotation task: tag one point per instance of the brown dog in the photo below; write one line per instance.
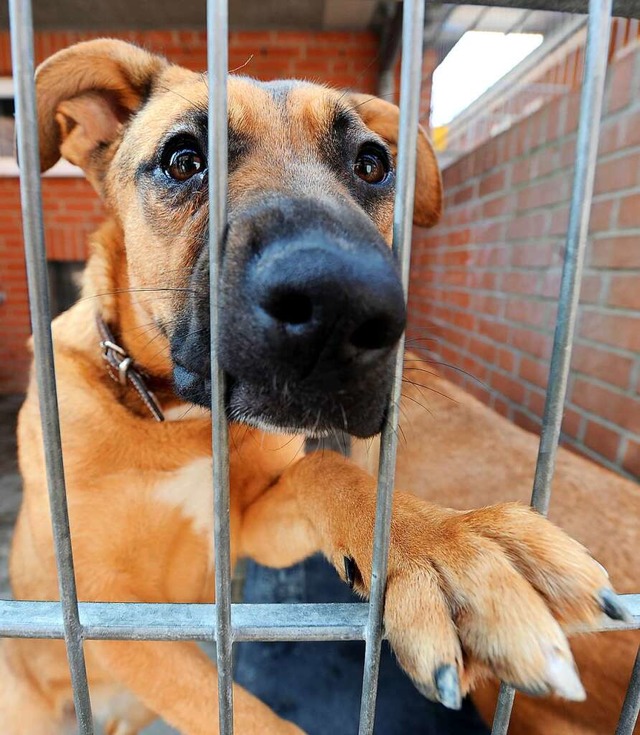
(312, 310)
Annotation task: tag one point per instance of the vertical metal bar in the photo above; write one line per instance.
(217, 62)
(631, 706)
(411, 76)
(22, 58)
(595, 68)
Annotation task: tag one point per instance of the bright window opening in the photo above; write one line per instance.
(477, 61)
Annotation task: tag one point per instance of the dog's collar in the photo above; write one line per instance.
(122, 369)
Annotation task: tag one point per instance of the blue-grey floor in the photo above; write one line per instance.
(318, 685)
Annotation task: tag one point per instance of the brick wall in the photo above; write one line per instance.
(71, 208)
(484, 282)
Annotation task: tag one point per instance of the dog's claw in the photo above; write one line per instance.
(563, 678)
(350, 571)
(611, 606)
(447, 684)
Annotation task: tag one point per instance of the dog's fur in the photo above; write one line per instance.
(480, 591)
(455, 447)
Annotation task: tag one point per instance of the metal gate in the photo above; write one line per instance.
(223, 622)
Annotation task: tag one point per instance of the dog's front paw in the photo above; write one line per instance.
(487, 591)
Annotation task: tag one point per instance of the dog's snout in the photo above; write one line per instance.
(339, 305)
(288, 305)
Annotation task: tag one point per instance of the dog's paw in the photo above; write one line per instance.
(490, 593)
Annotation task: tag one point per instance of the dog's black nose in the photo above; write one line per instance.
(321, 304)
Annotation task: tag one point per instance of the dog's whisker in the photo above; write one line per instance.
(242, 66)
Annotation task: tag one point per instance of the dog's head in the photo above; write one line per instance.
(311, 301)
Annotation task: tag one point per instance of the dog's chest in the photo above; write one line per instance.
(189, 490)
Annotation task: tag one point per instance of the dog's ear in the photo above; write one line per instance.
(382, 117)
(86, 94)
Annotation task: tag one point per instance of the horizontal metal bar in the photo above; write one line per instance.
(140, 621)
(255, 622)
(621, 8)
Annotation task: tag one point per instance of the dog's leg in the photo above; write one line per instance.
(24, 708)
(467, 593)
(179, 682)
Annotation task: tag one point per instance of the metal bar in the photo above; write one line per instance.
(410, 80)
(631, 706)
(168, 621)
(22, 59)
(621, 8)
(390, 39)
(217, 65)
(595, 68)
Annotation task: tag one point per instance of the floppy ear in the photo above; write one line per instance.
(383, 118)
(86, 94)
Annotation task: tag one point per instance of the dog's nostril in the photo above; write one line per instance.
(374, 334)
(289, 307)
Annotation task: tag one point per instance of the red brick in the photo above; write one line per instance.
(620, 173)
(500, 405)
(621, 83)
(616, 252)
(527, 226)
(492, 183)
(534, 371)
(624, 291)
(618, 330)
(497, 206)
(610, 135)
(533, 343)
(542, 254)
(572, 422)
(482, 349)
(629, 214)
(495, 330)
(602, 364)
(526, 422)
(521, 283)
(630, 134)
(544, 193)
(523, 171)
(600, 216)
(616, 407)
(508, 386)
(631, 459)
(602, 440)
(506, 360)
(526, 311)
(535, 401)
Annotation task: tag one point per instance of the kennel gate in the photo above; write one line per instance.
(223, 622)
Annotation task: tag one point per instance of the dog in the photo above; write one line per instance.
(312, 309)
(475, 457)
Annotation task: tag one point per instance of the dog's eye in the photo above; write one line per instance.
(184, 163)
(371, 165)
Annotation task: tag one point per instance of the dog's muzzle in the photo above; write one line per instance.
(311, 313)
